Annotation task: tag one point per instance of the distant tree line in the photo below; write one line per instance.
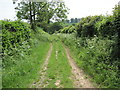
(73, 20)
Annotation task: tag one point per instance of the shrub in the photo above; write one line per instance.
(86, 27)
(68, 29)
(105, 26)
(94, 57)
(54, 27)
(23, 53)
(50, 28)
(43, 25)
(15, 40)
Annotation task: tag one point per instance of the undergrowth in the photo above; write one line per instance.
(23, 53)
(25, 71)
(94, 55)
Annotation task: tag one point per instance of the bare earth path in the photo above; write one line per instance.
(40, 83)
(78, 77)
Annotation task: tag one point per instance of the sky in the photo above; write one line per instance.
(83, 8)
(78, 8)
(7, 10)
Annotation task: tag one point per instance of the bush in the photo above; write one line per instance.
(86, 27)
(50, 28)
(54, 27)
(94, 57)
(116, 50)
(105, 27)
(68, 29)
(15, 40)
(43, 25)
(23, 53)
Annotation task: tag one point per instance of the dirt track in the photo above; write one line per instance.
(39, 84)
(78, 76)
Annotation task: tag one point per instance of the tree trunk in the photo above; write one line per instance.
(34, 23)
(30, 13)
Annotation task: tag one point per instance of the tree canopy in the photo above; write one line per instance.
(41, 11)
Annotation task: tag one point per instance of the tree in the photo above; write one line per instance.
(72, 20)
(76, 20)
(41, 11)
(26, 10)
(54, 27)
(67, 21)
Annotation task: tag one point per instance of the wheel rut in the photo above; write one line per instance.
(40, 82)
(78, 76)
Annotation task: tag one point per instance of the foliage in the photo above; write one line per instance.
(23, 49)
(68, 29)
(50, 28)
(15, 40)
(73, 20)
(86, 27)
(116, 16)
(105, 26)
(42, 11)
(89, 55)
(43, 25)
(54, 27)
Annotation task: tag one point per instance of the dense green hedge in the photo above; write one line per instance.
(23, 52)
(94, 56)
(105, 26)
(86, 27)
(50, 28)
(116, 15)
(97, 47)
(68, 29)
(96, 25)
(15, 40)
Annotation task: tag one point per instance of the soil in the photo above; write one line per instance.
(40, 82)
(78, 76)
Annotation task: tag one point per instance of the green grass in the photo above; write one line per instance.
(25, 71)
(94, 57)
(58, 68)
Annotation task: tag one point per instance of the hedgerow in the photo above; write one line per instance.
(94, 56)
(97, 47)
(68, 29)
(21, 50)
(15, 41)
(105, 26)
(86, 27)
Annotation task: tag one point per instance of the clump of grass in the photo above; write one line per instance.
(95, 57)
(25, 71)
(58, 69)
